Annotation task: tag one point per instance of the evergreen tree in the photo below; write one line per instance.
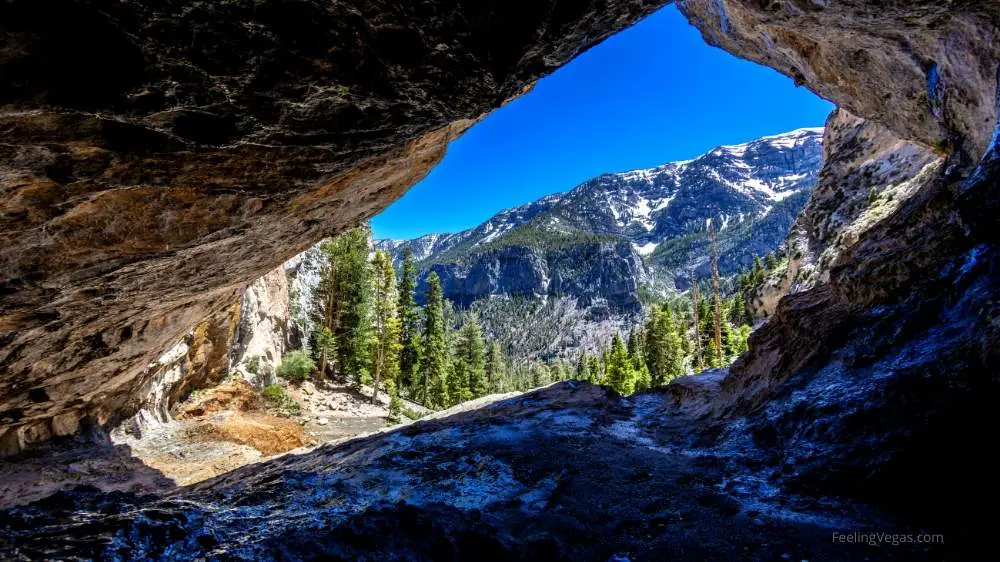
(326, 347)
(344, 302)
(758, 271)
(470, 359)
(716, 290)
(635, 352)
(714, 355)
(386, 348)
(496, 368)
(409, 355)
(583, 367)
(664, 353)
(458, 382)
(540, 375)
(620, 374)
(682, 331)
(643, 380)
(698, 363)
(594, 370)
(772, 261)
(705, 337)
(434, 359)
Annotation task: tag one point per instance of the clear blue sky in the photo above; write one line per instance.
(654, 93)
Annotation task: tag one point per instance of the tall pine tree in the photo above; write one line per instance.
(386, 348)
(344, 302)
(434, 359)
(409, 318)
(620, 374)
(716, 290)
(496, 368)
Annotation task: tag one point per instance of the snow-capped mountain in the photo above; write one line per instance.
(648, 224)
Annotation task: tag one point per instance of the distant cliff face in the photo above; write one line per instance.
(608, 271)
(610, 236)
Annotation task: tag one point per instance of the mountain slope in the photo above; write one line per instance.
(647, 224)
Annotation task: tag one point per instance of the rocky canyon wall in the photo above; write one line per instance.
(868, 173)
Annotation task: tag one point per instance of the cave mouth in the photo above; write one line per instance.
(843, 405)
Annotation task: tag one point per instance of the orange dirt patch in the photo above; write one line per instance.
(236, 396)
(268, 434)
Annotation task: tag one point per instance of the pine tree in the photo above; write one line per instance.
(540, 375)
(664, 353)
(344, 301)
(434, 359)
(496, 368)
(583, 367)
(714, 355)
(387, 346)
(716, 290)
(682, 331)
(458, 382)
(758, 271)
(643, 380)
(772, 261)
(409, 355)
(696, 314)
(470, 359)
(634, 349)
(620, 374)
(594, 370)
(326, 347)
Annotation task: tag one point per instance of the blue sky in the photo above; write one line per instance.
(654, 93)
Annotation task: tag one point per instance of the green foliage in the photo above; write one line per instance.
(386, 345)
(540, 375)
(458, 383)
(434, 364)
(621, 376)
(411, 414)
(664, 353)
(253, 365)
(395, 402)
(594, 372)
(470, 358)
(276, 398)
(296, 365)
(326, 347)
(344, 300)
(409, 318)
(496, 368)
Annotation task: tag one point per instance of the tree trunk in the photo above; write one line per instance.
(716, 296)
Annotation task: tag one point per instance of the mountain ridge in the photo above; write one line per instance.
(736, 186)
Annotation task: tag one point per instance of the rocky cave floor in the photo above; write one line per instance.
(568, 472)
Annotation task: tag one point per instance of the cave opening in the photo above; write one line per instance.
(870, 372)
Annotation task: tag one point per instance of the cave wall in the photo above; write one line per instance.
(924, 69)
(159, 156)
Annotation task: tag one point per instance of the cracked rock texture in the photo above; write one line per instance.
(159, 156)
